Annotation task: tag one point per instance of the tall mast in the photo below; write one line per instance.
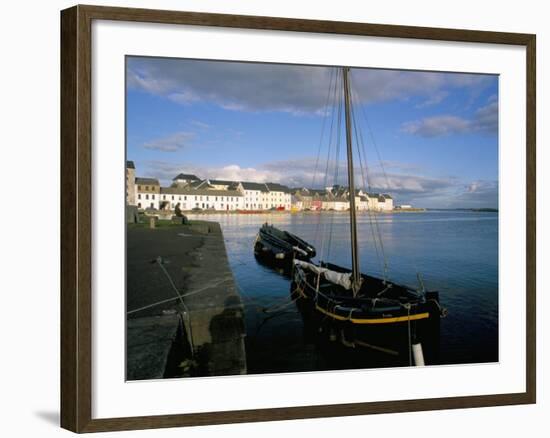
(356, 275)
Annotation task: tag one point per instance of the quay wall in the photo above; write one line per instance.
(185, 316)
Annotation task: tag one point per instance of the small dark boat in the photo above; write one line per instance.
(280, 247)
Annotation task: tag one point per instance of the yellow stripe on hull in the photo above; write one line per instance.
(375, 320)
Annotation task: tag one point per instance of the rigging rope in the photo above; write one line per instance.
(372, 220)
(325, 116)
(375, 229)
(332, 113)
(382, 167)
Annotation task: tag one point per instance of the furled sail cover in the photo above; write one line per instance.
(334, 277)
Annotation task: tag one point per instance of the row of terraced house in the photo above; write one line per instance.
(193, 193)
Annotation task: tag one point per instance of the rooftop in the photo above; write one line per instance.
(276, 187)
(187, 190)
(255, 186)
(149, 181)
(222, 182)
(186, 176)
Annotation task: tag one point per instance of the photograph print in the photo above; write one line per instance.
(300, 218)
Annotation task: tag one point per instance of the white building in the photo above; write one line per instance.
(337, 198)
(385, 202)
(147, 193)
(190, 193)
(266, 196)
(254, 196)
(362, 202)
(278, 196)
(335, 203)
(190, 198)
(371, 203)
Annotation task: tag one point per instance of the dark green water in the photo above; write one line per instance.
(456, 252)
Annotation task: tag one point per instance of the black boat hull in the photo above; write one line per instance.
(279, 248)
(389, 326)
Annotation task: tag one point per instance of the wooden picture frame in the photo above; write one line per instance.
(76, 217)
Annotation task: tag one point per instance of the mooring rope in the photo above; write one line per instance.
(186, 312)
(179, 297)
(271, 309)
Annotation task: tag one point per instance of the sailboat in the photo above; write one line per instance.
(365, 310)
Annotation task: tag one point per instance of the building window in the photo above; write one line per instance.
(146, 196)
(185, 198)
(164, 197)
(139, 195)
(146, 188)
(173, 197)
(152, 196)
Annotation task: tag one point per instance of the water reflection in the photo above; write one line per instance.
(457, 253)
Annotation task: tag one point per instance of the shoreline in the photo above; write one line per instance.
(169, 214)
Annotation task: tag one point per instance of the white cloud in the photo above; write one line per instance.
(437, 126)
(234, 172)
(416, 188)
(479, 193)
(288, 88)
(301, 173)
(200, 124)
(480, 186)
(437, 97)
(171, 143)
(484, 120)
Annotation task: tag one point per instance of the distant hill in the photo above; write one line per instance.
(482, 210)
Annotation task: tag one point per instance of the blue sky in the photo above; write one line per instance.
(429, 138)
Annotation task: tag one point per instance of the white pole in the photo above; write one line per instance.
(418, 355)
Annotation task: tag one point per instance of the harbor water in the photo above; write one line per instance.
(455, 252)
